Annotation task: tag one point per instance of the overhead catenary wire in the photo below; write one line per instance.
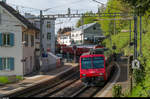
(116, 19)
(31, 9)
(24, 7)
(71, 3)
(107, 5)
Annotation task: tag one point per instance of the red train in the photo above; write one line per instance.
(96, 66)
(79, 51)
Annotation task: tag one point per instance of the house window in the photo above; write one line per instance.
(72, 35)
(48, 36)
(6, 39)
(43, 36)
(48, 24)
(0, 17)
(32, 40)
(6, 64)
(94, 28)
(26, 40)
(37, 35)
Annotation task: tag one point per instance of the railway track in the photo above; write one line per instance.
(49, 89)
(69, 86)
(89, 92)
(77, 89)
(92, 91)
(68, 91)
(72, 88)
(58, 87)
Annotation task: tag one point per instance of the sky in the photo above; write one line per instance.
(56, 7)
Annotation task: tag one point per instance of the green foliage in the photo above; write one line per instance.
(85, 20)
(126, 93)
(142, 76)
(5, 79)
(19, 77)
(140, 6)
(117, 90)
(114, 6)
(121, 39)
(138, 75)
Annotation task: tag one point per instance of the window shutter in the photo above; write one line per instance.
(1, 67)
(11, 60)
(11, 39)
(1, 39)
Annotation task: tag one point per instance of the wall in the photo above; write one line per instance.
(27, 53)
(89, 32)
(9, 24)
(51, 62)
(93, 32)
(76, 38)
(49, 43)
(46, 43)
(65, 40)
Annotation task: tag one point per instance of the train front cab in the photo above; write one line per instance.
(92, 69)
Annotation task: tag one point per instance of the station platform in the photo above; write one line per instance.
(33, 80)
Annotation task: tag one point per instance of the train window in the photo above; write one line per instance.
(98, 62)
(86, 63)
(99, 51)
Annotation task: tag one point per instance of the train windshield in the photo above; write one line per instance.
(86, 63)
(98, 62)
(92, 63)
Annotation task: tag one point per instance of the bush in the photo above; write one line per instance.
(117, 90)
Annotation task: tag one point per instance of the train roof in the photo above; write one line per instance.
(96, 51)
(84, 46)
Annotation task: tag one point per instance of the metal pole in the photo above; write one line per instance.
(141, 35)
(135, 48)
(110, 41)
(131, 82)
(41, 35)
(82, 22)
(131, 71)
(114, 26)
(135, 36)
(130, 30)
(74, 55)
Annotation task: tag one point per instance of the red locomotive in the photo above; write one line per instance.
(96, 66)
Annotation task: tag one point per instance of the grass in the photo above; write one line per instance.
(19, 77)
(6, 80)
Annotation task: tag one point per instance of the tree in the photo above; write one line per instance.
(85, 20)
(139, 6)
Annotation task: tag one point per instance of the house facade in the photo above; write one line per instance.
(48, 31)
(65, 38)
(86, 34)
(17, 42)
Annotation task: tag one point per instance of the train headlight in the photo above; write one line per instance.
(83, 74)
(101, 74)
